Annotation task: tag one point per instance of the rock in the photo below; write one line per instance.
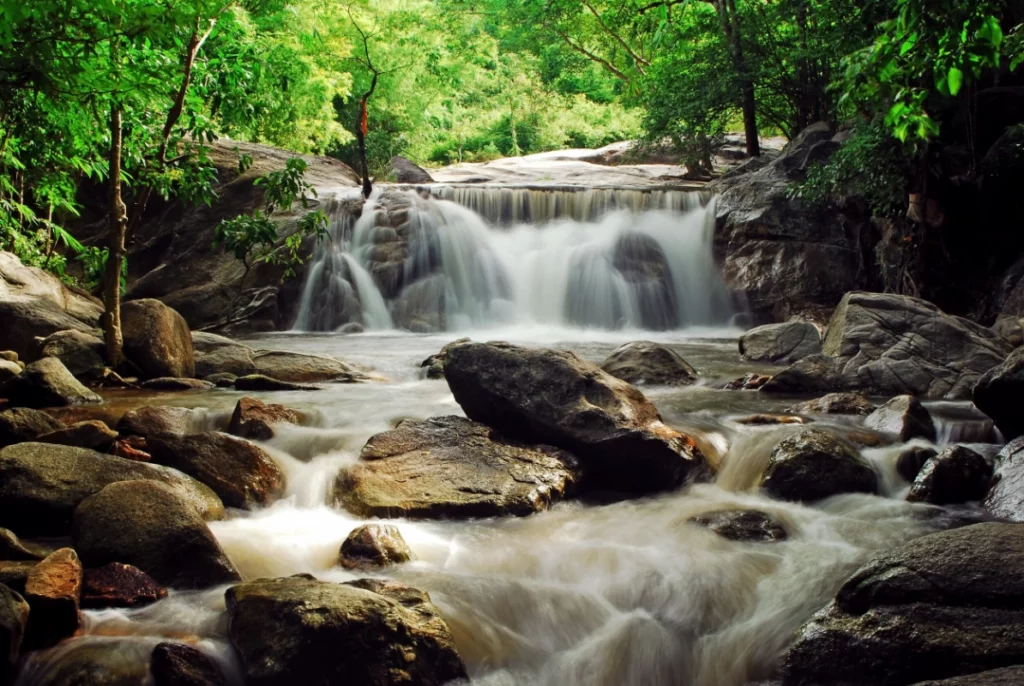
(781, 343)
(93, 661)
(254, 419)
(771, 419)
(374, 545)
(94, 435)
(748, 382)
(1008, 676)
(119, 585)
(241, 473)
(220, 355)
(11, 548)
(9, 356)
(172, 384)
(75, 414)
(39, 491)
(753, 526)
(943, 605)
(222, 380)
(954, 476)
(812, 465)
(406, 171)
(1000, 392)
(14, 574)
(157, 420)
(131, 448)
(47, 383)
(8, 370)
(1005, 498)
(371, 633)
(13, 622)
(24, 424)
(453, 467)
(885, 344)
(304, 369)
(20, 283)
(82, 353)
(260, 382)
(157, 339)
(433, 366)
(556, 398)
(835, 403)
(26, 321)
(904, 417)
(52, 590)
(911, 460)
(177, 664)
(644, 362)
(351, 328)
(148, 525)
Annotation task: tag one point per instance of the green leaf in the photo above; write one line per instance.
(956, 80)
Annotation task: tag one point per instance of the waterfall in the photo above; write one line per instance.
(455, 258)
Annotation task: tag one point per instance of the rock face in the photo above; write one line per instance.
(904, 417)
(47, 383)
(119, 585)
(1000, 392)
(407, 171)
(892, 345)
(1006, 495)
(157, 339)
(241, 473)
(82, 353)
(835, 403)
(177, 664)
(956, 475)
(941, 606)
(453, 467)
(751, 526)
(255, 420)
(24, 424)
(220, 355)
(781, 343)
(371, 633)
(556, 398)
(52, 590)
(39, 492)
(13, 622)
(374, 545)
(148, 525)
(644, 362)
(812, 465)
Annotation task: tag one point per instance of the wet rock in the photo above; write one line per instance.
(13, 622)
(453, 467)
(255, 420)
(1008, 676)
(1006, 495)
(222, 379)
(753, 526)
(8, 356)
(11, 548)
(241, 473)
(885, 344)
(910, 461)
(781, 343)
(39, 491)
(119, 585)
(406, 171)
(8, 370)
(954, 476)
(157, 339)
(52, 590)
(172, 384)
(157, 420)
(260, 382)
(433, 366)
(645, 268)
(94, 435)
(1000, 394)
(771, 419)
(177, 664)
(92, 661)
(812, 465)
(304, 369)
(556, 398)
(24, 424)
(131, 448)
(351, 328)
(25, 321)
(47, 383)
(835, 403)
(748, 382)
(372, 633)
(943, 605)
(644, 362)
(220, 355)
(68, 416)
(82, 353)
(148, 525)
(904, 417)
(374, 545)
(14, 573)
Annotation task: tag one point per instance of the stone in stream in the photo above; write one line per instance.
(433, 366)
(157, 339)
(26, 321)
(943, 605)
(812, 465)
(93, 434)
(904, 417)
(177, 664)
(22, 424)
(748, 382)
(911, 460)
(368, 632)
(221, 355)
(301, 368)
(119, 585)
(255, 420)
(82, 353)
(752, 526)
(93, 661)
(153, 420)
(52, 591)
(954, 476)
(47, 383)
(453, 467)
(771, 419)
(374, 545)
(222, 379)
(261, 382)
(13, 622)
(780, 343)
(406, 171)
(168, 383)
(1000, 393)
(241, 473)
(148, 525)
(12, 548)
(644, 362)
(1005, 498)
(554, 397)
(835, 403)
(42, 484)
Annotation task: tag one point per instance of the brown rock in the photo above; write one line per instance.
(748, 382)
(262, 382)
(13, 622)
(254, 419)
(119, 585)
(177, 664)
(769, 419)
(14, 574)
(22, 424)
(644, 362)
(47, 383)
(374, 545)
(157, 420)
(131, 448)
(835, 403)
(11, 548)
(85, 413)
(304, 369)
(53, 589)
(168, 383)
(94, 435)
(157, 339)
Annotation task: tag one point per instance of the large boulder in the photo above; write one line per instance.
(1005, 498)
(364, 633)
(220, 355)
(147, 524)
(53, 590)
(24, 424)
(813, 464)
(47, 383)
(301, 368)
(954, 476)
(13, 622)
(904, 417)
(433, 366)
(644, 362)
(944, 605)
(93, 434)
(1000, 393)
(884, 344)
(407, 171)
(82, 353)
(157, 420)
(241, 473)
(157, 339)
(556, 398)
(781, 343)
(453, 467)
(41, 485)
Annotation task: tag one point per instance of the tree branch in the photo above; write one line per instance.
(640, 61)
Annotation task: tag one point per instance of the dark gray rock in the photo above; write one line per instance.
(406, 171)
(1008, 676)
(911, 460)
(177, 664)
(954, 476)
(812, 464)
(23, 424)
(47, 383)
(1000, 394)
(82, 353)
(25, 321)
(781, 343)
(748, 526)
(835, 403)
(904, 417)
(1006, 496)
(647, 363)
(433, 366)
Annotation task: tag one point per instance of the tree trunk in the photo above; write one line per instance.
(361, 131)
(118, 223)
(731, 28)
